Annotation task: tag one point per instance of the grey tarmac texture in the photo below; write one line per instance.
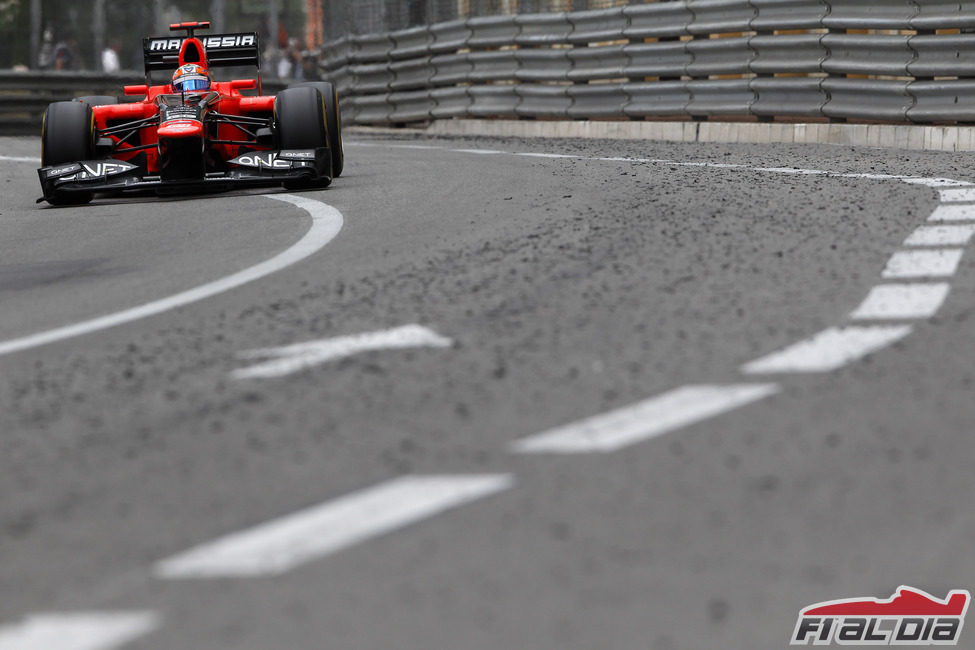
(570, 287)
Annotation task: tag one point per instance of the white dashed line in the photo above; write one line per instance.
(870, 177)
(78, 631)
(283, 544)
(923, 264)
(958, 195)
(653, 417)
(326, 224)
(300, 356)
(955, 235)
(953, 213)
(829, 350)
(935, 182)
(902, 301)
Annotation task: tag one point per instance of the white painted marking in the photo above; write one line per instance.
(294, 358)
(326, 224)
(790, 170)
(955, 235)
(871, 177)
(78, 631)
(546, 155)
(652, 417)
(902, 301)
(480, 152)
(923, 264)
(936, 182)
(278, 546)
(953, 213)
(958, 195)
(829, 350)
(623, 159)
(24, 159)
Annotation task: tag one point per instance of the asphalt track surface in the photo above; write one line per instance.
(554, 290)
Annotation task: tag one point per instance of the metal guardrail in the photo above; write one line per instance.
(896, 60)
(25, 95)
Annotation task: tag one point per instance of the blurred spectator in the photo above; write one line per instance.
(65, 54)
(282, 33)
(285, 66)
(309, 66)
(110, 60)
(45, 57)
(294, 54)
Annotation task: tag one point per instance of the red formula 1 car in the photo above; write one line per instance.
(191, 135)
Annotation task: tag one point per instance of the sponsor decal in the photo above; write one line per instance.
(209, 42)
(180, 128)
(270, 159)
(180, 113)
(306, 154)
(61, 171)
(909, 617)
(88, 170)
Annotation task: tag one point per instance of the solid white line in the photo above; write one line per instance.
(870, 177)
(953, 213)
(326, 224)
(923, 264)
(790, 170)
(958, 195)
(480, 152)
(955, 235)
(23, 159)
(652, 417)
(828, 350)
(78, 631)
(278, 546)
(936, 182)
(293, 358)
(628, 160)
(547, 155)
(902, 301)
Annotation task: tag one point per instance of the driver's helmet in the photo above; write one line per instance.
(190, 77)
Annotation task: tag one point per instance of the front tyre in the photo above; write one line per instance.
(67, 136)
(333, 122)
(299, 117)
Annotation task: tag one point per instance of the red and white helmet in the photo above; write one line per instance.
(190, 77)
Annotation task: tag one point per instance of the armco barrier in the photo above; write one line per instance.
(896, 60)
(902, 61)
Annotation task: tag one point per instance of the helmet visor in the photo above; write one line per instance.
(192, 84)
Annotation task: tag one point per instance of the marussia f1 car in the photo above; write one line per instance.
(191, 135)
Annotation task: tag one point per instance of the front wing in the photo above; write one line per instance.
(256, 169)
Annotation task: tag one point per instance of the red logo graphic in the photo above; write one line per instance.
(909, 617)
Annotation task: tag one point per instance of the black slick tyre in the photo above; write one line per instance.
(333, 122)
(299, 117)
(67, 136)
